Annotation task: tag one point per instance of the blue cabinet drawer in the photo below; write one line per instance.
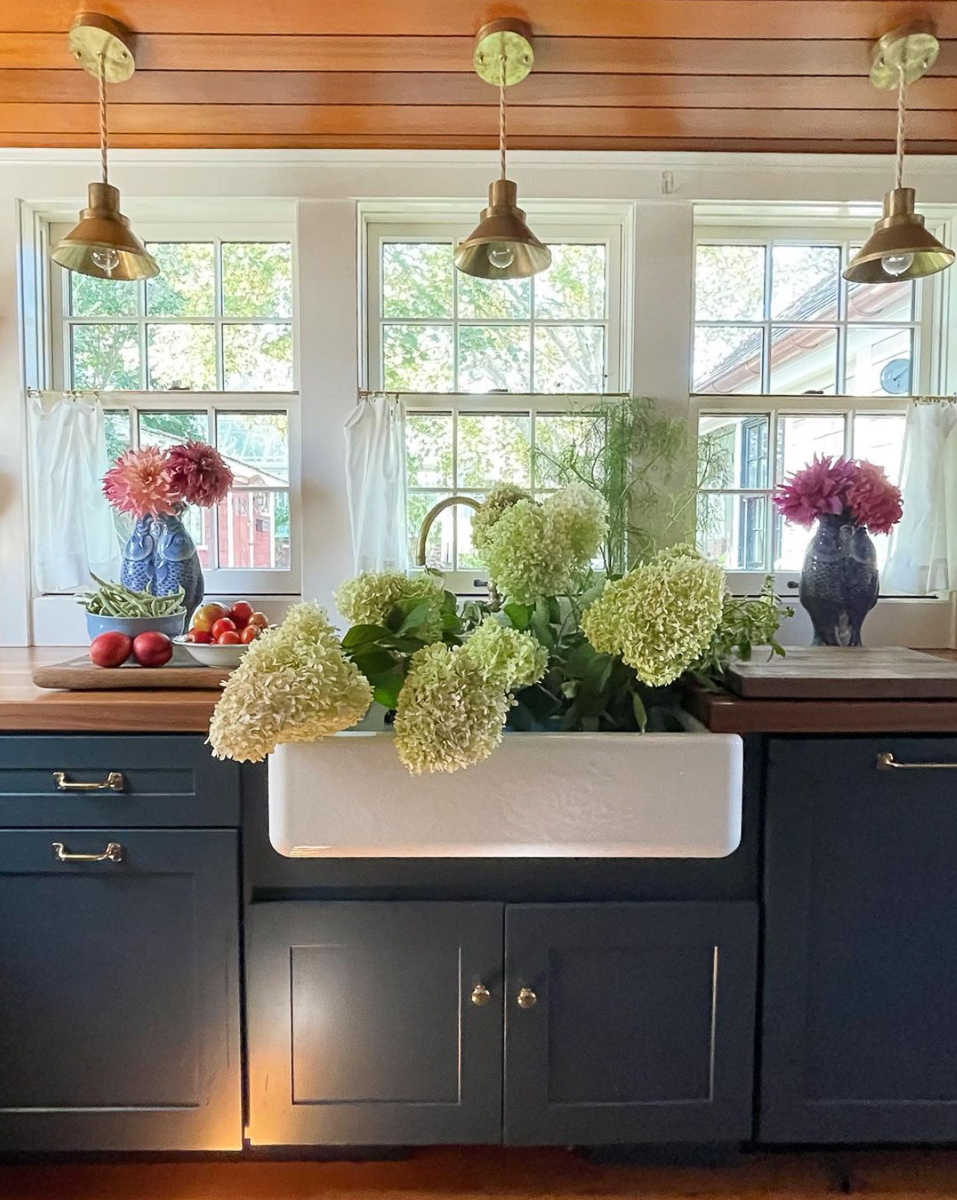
(132, 781)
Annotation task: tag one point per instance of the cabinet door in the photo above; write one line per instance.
(119, 992)
(637, 1024)
(363, 1029)
(860, 994)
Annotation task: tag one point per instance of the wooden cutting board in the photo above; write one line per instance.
(845, 673)
(80, 675)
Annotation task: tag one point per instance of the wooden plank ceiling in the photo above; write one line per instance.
(752, 75)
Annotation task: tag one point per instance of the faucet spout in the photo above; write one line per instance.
(427, 523)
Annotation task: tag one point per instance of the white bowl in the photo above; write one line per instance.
(211, 655)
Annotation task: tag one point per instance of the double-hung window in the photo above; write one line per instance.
(206, 351)
(789, 361)
(491, 371)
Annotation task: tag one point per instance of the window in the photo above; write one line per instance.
(790, 361)
(776, 318)
(218, 317)
(205, 350)
(477, 360)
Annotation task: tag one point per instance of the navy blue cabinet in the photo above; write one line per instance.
(629, 1022)
(376, 1023)
(860, 985)
(119, 990)
(382, 1022)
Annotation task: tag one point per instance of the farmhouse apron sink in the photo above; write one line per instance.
(540, 795)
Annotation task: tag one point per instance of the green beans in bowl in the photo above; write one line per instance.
(115, 608)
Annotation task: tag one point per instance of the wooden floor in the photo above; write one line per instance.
(455, 1174)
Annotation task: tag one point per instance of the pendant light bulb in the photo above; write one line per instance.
(900, 248)
(502, 246)
(897, 264)
(501, 255)
(102, 244)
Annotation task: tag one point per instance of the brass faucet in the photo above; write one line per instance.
(433, 512)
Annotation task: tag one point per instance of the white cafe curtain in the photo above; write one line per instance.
(923, 550)
(375, 483)
(72, 524)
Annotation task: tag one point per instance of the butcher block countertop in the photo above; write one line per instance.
(25, 708)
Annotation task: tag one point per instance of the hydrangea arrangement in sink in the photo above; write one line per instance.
(560, 696)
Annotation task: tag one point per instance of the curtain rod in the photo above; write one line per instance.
(63, 393)
(935, 399)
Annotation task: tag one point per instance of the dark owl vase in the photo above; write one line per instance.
(839, 582)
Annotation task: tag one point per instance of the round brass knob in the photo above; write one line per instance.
(527, 998)
(480, 995)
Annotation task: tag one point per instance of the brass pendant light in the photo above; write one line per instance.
(502, 246)
(900, 246)
(102, 244)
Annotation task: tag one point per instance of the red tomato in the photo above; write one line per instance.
(240, 612)
(249, 634)
(229, 637)
(260, 620)
(110, 649)
(201, 637)
(152, 649)
(223, 625)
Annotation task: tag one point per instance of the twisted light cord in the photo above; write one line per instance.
(501, 116)
(101, 81)
(901, 115)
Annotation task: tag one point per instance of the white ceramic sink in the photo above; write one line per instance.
(540, 795)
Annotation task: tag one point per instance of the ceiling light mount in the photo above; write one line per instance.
(505, 42)
(100, 43)
(910, 50)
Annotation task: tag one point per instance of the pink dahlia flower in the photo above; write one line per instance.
(874, 500)
(198, 474)
(822, 487)
(140, 483)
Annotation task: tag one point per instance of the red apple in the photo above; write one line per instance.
(152, 649)
(110, 649)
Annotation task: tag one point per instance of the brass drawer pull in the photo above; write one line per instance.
(112, 853)
(526, 998)
(480, 995)
(114, 782)
(887, 762)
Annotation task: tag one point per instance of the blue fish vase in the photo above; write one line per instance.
(161, 555)
(839, 581)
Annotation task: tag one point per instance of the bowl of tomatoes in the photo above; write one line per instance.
(220, 634)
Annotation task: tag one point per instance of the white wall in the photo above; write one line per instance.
(325, 187)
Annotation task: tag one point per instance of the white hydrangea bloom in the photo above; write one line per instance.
(505, 656)
(293, 684)
(660, 616)
(369, 598)
(449, 716)
(535, 549)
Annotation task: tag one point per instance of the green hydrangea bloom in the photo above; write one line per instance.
(536, 549)
(370, 597)
(449, 715)
(293, 684)
(505, 656)
(661, 616)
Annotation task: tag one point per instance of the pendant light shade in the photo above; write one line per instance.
(103, 244)
(900, 246)
(502, 246)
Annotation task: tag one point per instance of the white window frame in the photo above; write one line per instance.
(610, 227)
(929, 350)
(226, 581)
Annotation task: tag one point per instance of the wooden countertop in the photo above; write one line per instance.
(28, 709)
